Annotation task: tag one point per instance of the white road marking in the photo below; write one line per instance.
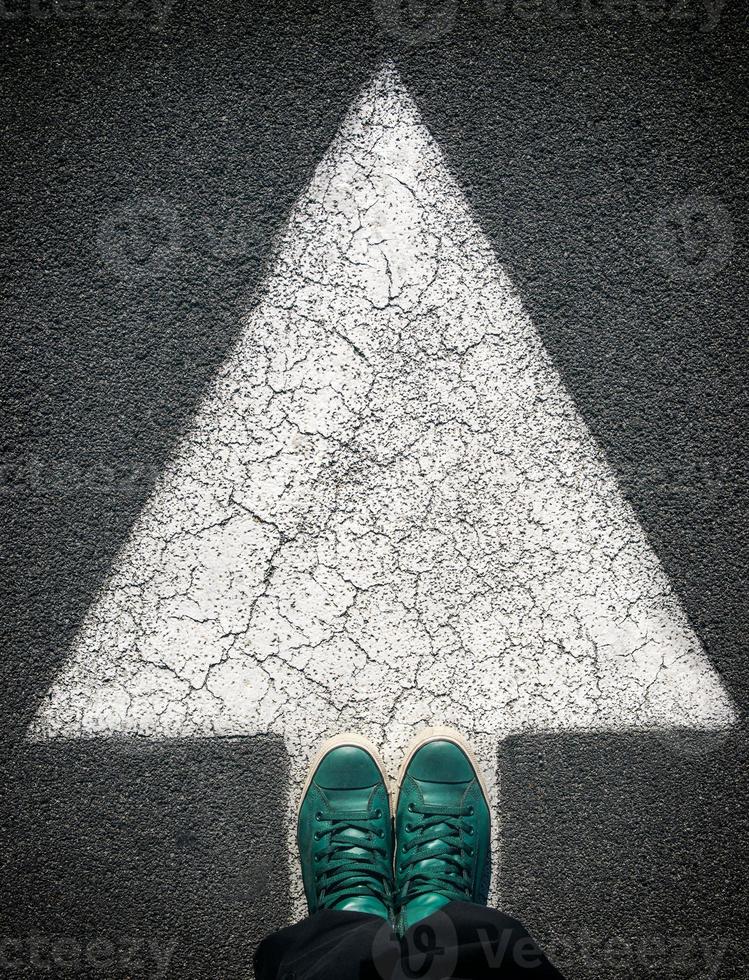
(388, 512)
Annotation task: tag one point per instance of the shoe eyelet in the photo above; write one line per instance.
(409, 828)
(378, 813)
(318, 858)
(380, 833)
(411, 808)
(318, 835)
(469, 831)
(470, 811)
(318, 816)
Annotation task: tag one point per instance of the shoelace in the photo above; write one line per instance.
(442, 825)
(341, 874)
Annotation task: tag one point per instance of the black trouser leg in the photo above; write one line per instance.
(327, 946)
(462, 941)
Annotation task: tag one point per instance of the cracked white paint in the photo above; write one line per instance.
(388, 512)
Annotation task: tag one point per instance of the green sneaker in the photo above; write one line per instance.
(345, 830)
(442, 827)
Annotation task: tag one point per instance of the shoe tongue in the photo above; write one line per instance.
(343, 801)
(419, 908)
(439, 794)
(443, 793)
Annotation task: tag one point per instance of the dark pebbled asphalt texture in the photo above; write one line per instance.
(150, 156)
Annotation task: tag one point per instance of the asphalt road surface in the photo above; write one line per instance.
(152, 155)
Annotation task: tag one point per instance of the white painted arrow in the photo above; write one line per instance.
(388, 512)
